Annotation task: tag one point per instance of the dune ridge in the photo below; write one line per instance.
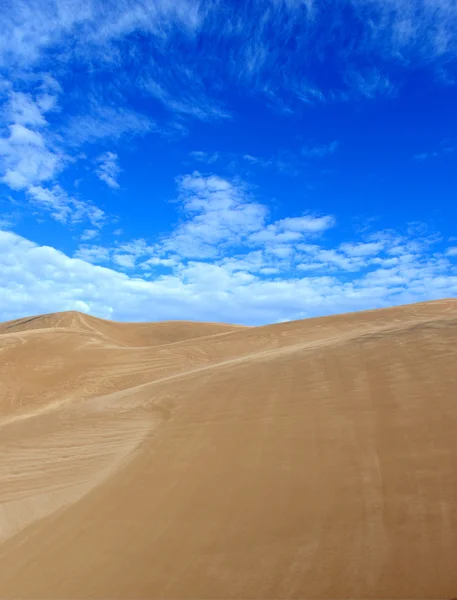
(306, 459)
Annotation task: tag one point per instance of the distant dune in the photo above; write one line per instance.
(308, 459)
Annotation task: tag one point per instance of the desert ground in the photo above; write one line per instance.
(308, 459)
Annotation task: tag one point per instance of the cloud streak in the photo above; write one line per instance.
(108, 170)
(320, 151)
(444, 149)
(261, 45)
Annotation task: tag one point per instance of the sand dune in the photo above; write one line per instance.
(309, 459)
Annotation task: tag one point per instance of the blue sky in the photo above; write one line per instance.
(248, 162)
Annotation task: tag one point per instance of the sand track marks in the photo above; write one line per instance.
(61, 458)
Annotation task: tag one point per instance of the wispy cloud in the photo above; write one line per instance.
(444, 149)
(285, 162)
(31, 26)
(309, 94)
(256, 160)
(320, 151)
(216, 44)
(404, 30)
(103, 122)
(187, 100)
(365, 84)
(64, 208)
(108, 170)
(205, 157)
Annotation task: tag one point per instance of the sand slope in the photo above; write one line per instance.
(312, 459)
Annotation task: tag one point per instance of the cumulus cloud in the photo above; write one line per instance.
(28, 153)
(228, 260)
(25, 158)
(218, 214)
(219, 217)
(92, 254)
(37, 279)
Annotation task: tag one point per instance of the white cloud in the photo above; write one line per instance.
(272, 234)
(225, 238)
(108, 170)
(38, 279)
(306, 224)
(160, 262)
(26, 158)
(219, 215)
(89, 234)
(362, 249)
(31, 159)
(124, 260)
(26, 111)
(92, 254)
(220, 218)
(63, 207)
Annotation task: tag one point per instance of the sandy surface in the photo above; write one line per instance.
(313, 459)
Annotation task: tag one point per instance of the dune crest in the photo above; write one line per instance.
(307, 459)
